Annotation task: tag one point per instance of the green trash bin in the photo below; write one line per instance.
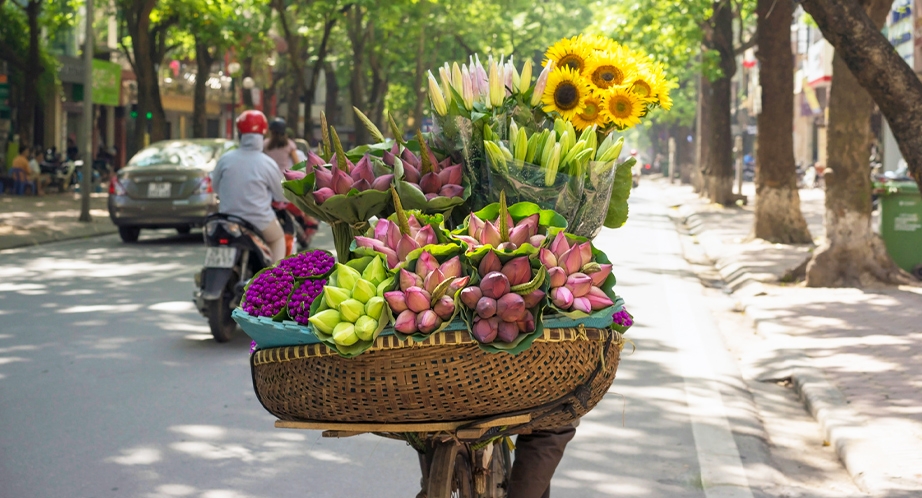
(901, 224)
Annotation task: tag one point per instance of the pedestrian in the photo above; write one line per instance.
(279, 146)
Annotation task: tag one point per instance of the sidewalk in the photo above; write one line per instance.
(854, 356)
(28, 220)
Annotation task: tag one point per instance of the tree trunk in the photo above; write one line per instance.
(33, 69)
(357, 34)
(718, 173)
(331, 107)
(702, 132)
(879, 69)
(419, 90)
(853, 255)
(147, 48)
(203, 61)
(294, 105)
(778, 217)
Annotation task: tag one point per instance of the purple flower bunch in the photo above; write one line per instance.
(309, 264)
(299, 304)
(268, 293)
(623, 318)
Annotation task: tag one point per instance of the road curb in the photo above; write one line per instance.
(32, 241)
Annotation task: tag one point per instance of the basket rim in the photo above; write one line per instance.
(439, 339)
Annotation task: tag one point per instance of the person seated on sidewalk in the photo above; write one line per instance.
(35, 171)
(20, 165)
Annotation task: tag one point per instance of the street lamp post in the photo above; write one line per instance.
(233, 68)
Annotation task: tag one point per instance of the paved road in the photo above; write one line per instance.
(111, 386)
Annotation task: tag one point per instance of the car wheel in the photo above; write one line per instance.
(184, 230)
(129, 234)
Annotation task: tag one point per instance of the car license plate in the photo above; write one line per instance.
(159, 190)
(220, 257)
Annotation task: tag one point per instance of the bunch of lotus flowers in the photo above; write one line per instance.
(575, 279)
(425, 298)
(397, 239)
(503, 300)
(502, 233)
(488, 86)
(341, 180)
(355, 303)
(424, 172)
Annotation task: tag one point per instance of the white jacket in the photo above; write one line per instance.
(247, 181)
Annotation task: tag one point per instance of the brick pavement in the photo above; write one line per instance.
(29, 220)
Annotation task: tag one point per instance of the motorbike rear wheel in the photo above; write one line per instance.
(219, 313)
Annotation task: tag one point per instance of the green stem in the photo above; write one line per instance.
(343, 235)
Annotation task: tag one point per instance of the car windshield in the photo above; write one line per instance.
(182, 154)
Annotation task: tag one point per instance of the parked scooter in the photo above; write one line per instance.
(61, 173)
(235, 251)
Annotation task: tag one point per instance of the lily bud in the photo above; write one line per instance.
(497, 92)
(582, 304)
(406, 322)
(430, 183)
(486, 307)
(374, 273)
(444, 307)
(426, 264)
(559, 245)
(507, 331)
(325, 321)
(585, 253)
(579, 284)
(517, 270)
(451, 268)
(457, 80)
(511, 307)
(494, 285)
(597, 299)
(467, 89)
(365, 327)
(489, 263)
(539, 85)
(484, 331)
(435, 94)
(408, 280)
(396, 300)
(557, 277)
(532, 299)
(322, 194)
(470, 296)
(334, 296)
(599, 277)
(547, 258)
(374, 307)
(364, 291)
(383, 182)
(525, 78)
(351, 310)
(428, 321)
(344, 334)
(562, 297)
(418, 299)
(570, 260)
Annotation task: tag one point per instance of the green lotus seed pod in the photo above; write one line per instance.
(344, 334)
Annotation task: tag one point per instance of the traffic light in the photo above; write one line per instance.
(150, 115)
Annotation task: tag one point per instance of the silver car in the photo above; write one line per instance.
(166, 185)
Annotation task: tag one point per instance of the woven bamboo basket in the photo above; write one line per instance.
(562, 376)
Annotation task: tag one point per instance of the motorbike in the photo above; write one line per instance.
(61, 173)
(235, 251)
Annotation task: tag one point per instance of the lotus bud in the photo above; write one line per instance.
(418, 299)
(451, 191)
(363, 170)
(425, 235)
(411, 158)
(530, 223)
(598, 299)
(599, 277)
(314, 161)
(346, 276)
(325, 321)
(405, 246)
(534, 298)
(368, 242)
(374, 307)
(457, 284)
(562, 297)
(491, 235)
(507, 331)
(391, 255)
(428, 321)
(585, 253)
(444, 307)
(433, 280)
(511, 307)
(527, 324)
(344, 334)
(384, 286)
(430, 183)
(405, 322)
(390, 157)
(536, 240)
(396, 300)
(334, 296)
(470, 296)
(365, 327)
(451, 175)
(323, 178)
(292, 174)
(374, 273)
(393, 235)
(579, 284)
(494, 285)
(408, 280)
(381, 229)
(569, 260)
(411, 173)
(489, 263)
(364, 290)
(342, 182)
(429, 197)
(451, 268)
(559, 245)
(539, 85)
(557, 277)
(321, 195)
(486, 307)
(351, 309)
(361, 185)
(383, 182)
(484, 332)
(547, 258)
(475, 226)
(517, 270)
(435, 94)
(581, 304)
(507, 246)
(426, 264)
(518, 235)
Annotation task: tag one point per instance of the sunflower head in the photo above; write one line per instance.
(608, 69)
(569, 52)
(566, 92)
(599, 43)
(590, 114)
(621, 107)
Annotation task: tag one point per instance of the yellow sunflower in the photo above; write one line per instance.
(607, 69)
(621, 107)
(591, 113)
(644, 84)
(599, 43)
(566, 92)
(660, 86)
(569, 52)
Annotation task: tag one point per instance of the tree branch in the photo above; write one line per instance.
(753, 41)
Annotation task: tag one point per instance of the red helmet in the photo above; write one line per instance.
(252, 122)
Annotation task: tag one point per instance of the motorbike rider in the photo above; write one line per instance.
(247, 181)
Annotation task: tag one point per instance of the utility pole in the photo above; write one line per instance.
(89, 46)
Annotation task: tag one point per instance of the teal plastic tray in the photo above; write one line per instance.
(271, 334)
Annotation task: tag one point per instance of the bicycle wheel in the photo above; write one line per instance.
(450, 475)
(498, 473)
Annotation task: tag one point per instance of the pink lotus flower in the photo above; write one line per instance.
(490, 232)
(423, 171)
(388, 240)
